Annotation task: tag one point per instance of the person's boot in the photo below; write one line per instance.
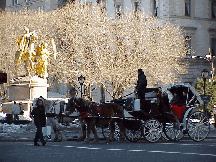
(43, 143)
(36, 144)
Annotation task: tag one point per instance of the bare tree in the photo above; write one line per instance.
(106, 51)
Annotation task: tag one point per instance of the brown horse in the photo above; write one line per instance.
(101, 115)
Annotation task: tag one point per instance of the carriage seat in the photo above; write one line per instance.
(178, 110)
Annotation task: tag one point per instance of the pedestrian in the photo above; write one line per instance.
(141, 87)
(39, 116)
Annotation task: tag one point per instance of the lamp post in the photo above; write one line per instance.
(81, 81)
(205, 74)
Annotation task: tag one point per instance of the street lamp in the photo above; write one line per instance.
(205, 74)
(81, 81)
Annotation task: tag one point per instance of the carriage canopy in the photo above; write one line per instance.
(187, 88)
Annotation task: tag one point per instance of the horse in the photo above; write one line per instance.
(92, 114)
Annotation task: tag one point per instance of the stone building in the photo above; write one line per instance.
(44, 5)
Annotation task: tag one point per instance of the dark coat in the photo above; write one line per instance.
(141, 85)
(179, 100)
(39, 116)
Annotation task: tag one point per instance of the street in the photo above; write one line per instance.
(162, 151)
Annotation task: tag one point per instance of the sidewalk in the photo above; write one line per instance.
(27, 133)
(69, 134)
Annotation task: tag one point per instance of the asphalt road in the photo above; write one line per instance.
(184, 150)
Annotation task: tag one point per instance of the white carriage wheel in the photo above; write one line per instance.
(106, 132)
(164, 137)
(133, 130)
(152, 130)
(133, 135)
(172, 129)
(198, 126)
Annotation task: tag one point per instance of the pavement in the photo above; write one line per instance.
(27, 133)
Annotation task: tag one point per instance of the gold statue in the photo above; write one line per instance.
(42, 55)
(42, 60)
(26, 51)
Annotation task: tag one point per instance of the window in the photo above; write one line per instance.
(136, 6)
(15, 2)
(155, 9)
(88, 3)
(2, 5)
(213, 8)
(213, 46)
(188, 45)
(118, 10)
(98, 1)
(187, 7)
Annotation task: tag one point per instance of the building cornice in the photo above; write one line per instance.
(212, 30)
(188, 28)
(190, 18)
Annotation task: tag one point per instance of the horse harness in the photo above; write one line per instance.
(94, 110)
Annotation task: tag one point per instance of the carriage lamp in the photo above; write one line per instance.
(81, 81)
(205, 74)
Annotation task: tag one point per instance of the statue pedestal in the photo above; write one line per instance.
(24, 90)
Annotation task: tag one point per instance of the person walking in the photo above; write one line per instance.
(39, 116)
(141, 87)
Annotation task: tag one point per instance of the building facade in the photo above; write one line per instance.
(44, 5)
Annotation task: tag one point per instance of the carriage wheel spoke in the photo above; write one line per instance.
(153, 130)
(198, 126)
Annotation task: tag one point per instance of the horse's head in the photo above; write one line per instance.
(80, 104)
(70, 106)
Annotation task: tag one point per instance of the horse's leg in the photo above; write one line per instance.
(58, 135)
(83, 131)
(89, 125)
(121, 127)
(54, 123)
(112, 129)
(94, 131)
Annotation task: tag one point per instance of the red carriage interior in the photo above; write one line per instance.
(180, 108)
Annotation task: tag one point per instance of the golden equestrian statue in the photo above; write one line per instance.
(33, 59)
(26, 51)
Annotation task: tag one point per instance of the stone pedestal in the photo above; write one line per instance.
(24, 90)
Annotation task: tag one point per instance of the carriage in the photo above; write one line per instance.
(157, 117)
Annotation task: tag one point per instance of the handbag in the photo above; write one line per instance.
(46, 131)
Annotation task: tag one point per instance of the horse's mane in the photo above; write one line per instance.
(83, 101)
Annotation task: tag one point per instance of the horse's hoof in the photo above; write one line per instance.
(108, 140)
(80, 139)
(87, 140)
(96, 140)
(121, 140)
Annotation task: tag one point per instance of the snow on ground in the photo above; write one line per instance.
(28, 130)
(21, 117)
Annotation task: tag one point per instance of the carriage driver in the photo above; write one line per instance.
(141, 87)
